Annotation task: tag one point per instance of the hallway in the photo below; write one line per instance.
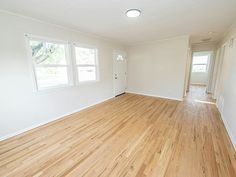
(198, 93)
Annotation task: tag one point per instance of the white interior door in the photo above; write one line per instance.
(120, 72)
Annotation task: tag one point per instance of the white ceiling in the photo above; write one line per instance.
(160, 18)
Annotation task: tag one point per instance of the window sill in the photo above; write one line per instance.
(63, 87)
(87, 82)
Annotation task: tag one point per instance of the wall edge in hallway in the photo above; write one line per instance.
(231, 137)
(51, 120)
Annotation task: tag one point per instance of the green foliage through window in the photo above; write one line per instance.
(48, 53)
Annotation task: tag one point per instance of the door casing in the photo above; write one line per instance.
(119, 87)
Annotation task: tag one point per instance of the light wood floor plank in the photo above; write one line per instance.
(131, 135)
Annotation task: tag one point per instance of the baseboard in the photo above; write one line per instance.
(229, 133)
(227, 128)
(50, 120)
(157, 96)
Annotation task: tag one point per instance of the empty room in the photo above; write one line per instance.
(118, 88)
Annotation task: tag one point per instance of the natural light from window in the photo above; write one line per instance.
(86, 61)
(200, 64)
(50, 63)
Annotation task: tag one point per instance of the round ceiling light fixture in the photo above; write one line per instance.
(132, 13)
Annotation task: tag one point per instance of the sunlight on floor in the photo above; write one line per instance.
(198, 93)
(205, 102)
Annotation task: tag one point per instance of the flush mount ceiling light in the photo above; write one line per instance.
(132, 13)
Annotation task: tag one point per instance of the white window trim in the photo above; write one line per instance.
(33, 66)
(77, 82)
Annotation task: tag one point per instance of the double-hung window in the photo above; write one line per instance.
(86, 64)
(50, 63)
(200, 64)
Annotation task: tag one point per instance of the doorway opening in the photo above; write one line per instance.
(120, 73)
(200, 68)
(201, 74)
(198, 93)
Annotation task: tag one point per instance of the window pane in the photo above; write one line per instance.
(86, 73)
(199, 68)
(119, 58)
(85, 56)
(51, 76)
(200, 59)
(48, 53)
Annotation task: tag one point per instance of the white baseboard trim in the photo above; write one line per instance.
(157, 96)
(50, 120)
(227, 128)
(229, 132)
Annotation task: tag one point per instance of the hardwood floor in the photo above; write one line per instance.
(131, 135)
(198, 93)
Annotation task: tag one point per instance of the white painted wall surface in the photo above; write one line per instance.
(227, 86)
(20, 107)
(158, 68)
(188, 71)
(201, 47)
(199, 78)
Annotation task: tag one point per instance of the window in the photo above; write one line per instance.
(50, 61)
(200, 64)
(120, 58)
(86, 64)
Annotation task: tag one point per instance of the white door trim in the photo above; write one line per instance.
(115, 52)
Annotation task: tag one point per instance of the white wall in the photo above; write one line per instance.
(158, 68)
(188, 71)
(211, 77)
(199, 78)
(20, 107)
(226, 93)
(201, 47)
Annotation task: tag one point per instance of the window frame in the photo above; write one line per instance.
(201, 64)
(76, 66)
(33, 64)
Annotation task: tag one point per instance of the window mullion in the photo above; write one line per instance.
(85, 65)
